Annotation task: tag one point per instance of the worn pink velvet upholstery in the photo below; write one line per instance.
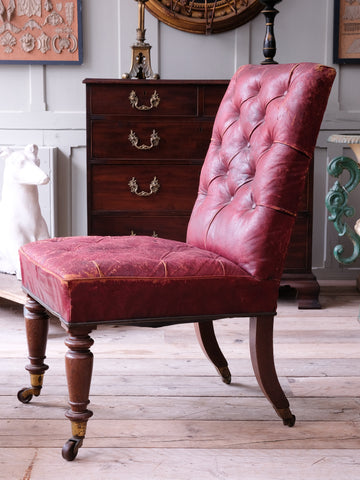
(253, 175)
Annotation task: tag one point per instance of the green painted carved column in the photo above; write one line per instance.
(337, 197)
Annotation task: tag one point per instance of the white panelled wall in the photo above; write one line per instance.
(46, 104)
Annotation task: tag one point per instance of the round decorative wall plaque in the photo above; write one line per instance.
(204, 16)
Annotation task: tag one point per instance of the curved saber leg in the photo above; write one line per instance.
(262, 357)
(207, 339)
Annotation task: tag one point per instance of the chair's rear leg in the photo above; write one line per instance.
(262, 357)
(78, 363)
(37, 327)
(206, 336)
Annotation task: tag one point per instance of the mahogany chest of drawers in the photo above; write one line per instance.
(146, 142)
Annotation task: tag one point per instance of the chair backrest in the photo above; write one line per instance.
(262, 143)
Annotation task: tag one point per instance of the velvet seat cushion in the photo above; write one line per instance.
(108, 279)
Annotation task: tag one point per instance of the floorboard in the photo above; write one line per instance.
(161, 412)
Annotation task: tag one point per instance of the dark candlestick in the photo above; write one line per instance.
(269, 48)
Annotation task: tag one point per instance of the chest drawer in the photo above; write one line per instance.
(164, 226)
(175, 187)
(123, 138)
(144, 100)
(148, 99)
(298, 257)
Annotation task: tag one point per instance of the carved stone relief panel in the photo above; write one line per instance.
(40, 31)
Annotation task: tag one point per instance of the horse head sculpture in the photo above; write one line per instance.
(20, 213)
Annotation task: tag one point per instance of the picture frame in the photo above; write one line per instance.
(204, 16)
(41, 32)
(346, 32)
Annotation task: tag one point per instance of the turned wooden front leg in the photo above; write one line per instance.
(78, 364)
(37, 327)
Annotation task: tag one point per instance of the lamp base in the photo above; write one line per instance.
(269, 47)
(141, 64)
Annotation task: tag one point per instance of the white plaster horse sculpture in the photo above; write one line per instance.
(21, 220)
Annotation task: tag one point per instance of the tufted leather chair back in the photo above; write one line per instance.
(263, 140)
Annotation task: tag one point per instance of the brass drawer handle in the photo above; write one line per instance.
(154, 187)
(154, 101)
(154, 141)
(154, 234)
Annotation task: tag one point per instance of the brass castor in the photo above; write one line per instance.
(25, 395)
(71, 448)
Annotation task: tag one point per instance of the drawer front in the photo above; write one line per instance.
(305, 204)
(298, 259)
(177, 190)
(144, 100)
(173, 227)
(213, 95)
(150, 140)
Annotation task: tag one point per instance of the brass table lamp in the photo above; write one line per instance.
(141, 63)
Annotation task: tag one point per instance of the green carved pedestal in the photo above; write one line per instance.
(337, 204)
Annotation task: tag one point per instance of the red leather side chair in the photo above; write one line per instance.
(254, 172)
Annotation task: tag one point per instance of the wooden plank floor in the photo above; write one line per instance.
(161, 412)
